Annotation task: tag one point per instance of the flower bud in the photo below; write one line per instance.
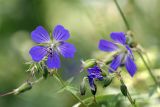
(124, 89)
(95, 90)
(107, 81)
(103, 73)
(24, 87)
(83, 87)
(133, 44)
(45, 73)
(88, 63)
(130, 41)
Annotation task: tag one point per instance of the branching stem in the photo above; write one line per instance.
(64, 85)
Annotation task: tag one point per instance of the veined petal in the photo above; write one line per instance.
(60, 33)
(53, 61)
(40, 35)
(108, 46)
(100, 77)
(38, 52)
(116, 62)
(91, 83)
(118, 37)
(66, 49)
(95, 72)
(130, 66)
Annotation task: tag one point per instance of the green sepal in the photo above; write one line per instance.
(88, 63)
(83, 87)
(95, 90)
(103, 73)
(107, 81)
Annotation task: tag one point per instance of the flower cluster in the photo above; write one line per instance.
(50, 48)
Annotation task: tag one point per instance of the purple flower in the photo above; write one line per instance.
(50, 48)
(94, 73)
(125, 56)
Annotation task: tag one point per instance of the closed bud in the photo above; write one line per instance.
(45, 74)
(83, 87)
(103, 73)
(124, 89)
(107, 81)
(24, 87)
(133, 44)
(95, 90)
(88, 63)
(130, 40)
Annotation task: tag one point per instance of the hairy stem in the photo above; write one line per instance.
(64, 85)
(132, 101)
(148, 68)
(37, 81)
(94, 99)
(6, 94)
(141, 56)
(122, 14)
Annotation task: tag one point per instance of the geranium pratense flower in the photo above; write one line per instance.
(125, 56)
(94, 73)
(50, 48)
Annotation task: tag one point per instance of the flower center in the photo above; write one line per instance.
(50, 51)
(53, 47)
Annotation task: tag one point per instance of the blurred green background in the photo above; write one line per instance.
(88, 21)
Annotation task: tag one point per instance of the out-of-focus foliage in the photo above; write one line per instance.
(88, 21)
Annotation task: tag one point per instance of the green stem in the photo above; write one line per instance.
(60, 79)
(132, 101)
(94, 99)
(148, 68)
(37, 81)
(6, 94)
(24, 87)
(122, 82)
(64, 85)
(122, 14)
(128, 28)
(75, 96)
